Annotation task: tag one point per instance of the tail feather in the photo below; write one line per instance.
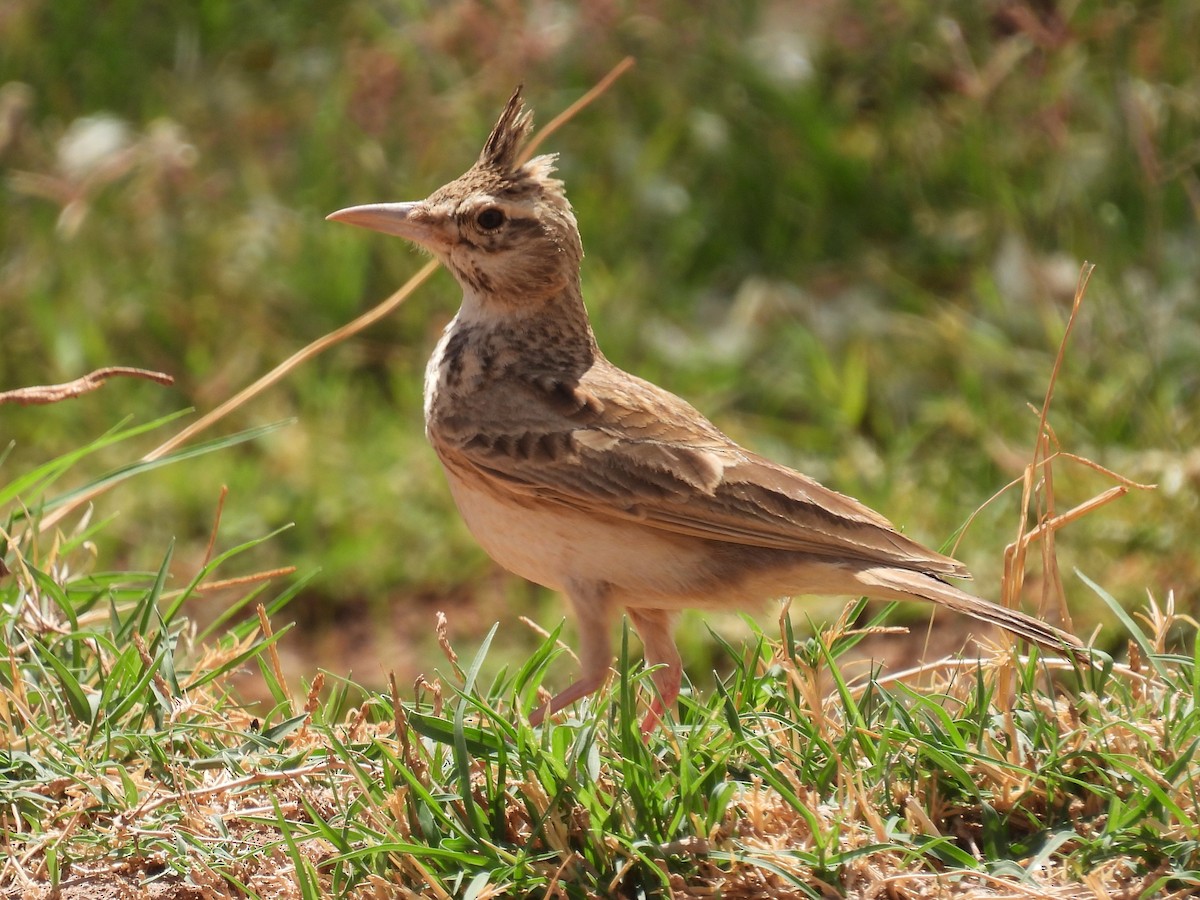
(905, 583)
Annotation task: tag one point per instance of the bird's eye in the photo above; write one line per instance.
(490, 219)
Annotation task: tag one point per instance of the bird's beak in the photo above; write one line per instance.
(407, 220)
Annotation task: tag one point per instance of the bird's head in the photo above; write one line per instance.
(504, 228)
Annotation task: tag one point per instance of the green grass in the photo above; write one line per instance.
(126, 758)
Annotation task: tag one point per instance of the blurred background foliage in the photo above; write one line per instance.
(848, 231)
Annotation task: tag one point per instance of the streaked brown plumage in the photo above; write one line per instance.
(591, 481)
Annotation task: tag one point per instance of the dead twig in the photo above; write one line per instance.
(44, 394)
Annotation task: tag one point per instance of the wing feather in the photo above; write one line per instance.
(624, 448)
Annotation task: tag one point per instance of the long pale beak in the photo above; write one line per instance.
(402, 219)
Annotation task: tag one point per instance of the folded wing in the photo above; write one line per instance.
(655, 460)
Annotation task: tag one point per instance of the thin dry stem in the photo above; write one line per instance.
(1042, 449)
(260, 777)
(1048, 526)
(148, 661)
(43, 394)
(242, 580)
(1085, 275)
(1052, 586)
(575, 108)
(271, 378)
(212, 535)
(1060, 453)
(276, 665)
(1115, 476)
(399, 717)
(539, 630)
(552, 888)
(959, 663)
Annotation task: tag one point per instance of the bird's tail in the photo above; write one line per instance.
(905, 583)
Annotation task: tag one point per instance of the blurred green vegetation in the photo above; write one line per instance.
(849, 232)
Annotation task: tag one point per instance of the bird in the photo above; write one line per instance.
(590, 481)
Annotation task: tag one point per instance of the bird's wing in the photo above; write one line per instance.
(615, 446)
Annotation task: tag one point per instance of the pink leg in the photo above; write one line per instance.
(654, 626)
(590, 603)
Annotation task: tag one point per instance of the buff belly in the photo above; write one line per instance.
(558, 547)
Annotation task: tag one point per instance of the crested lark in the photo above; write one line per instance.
(593, 482)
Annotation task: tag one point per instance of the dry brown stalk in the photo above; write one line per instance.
(1014, 555)
(1058, 454)
(575, 108)
(543, 633)
(1037, 481)
(148, 661)
(958, 663)
(259, 777)
(43, 394)
(242, 580)
(212, 535)
(265, 623)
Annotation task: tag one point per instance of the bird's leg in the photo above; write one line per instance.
(591, 606)
(654, 627)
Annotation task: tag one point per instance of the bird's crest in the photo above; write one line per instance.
(508, 136)
(501, 155)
